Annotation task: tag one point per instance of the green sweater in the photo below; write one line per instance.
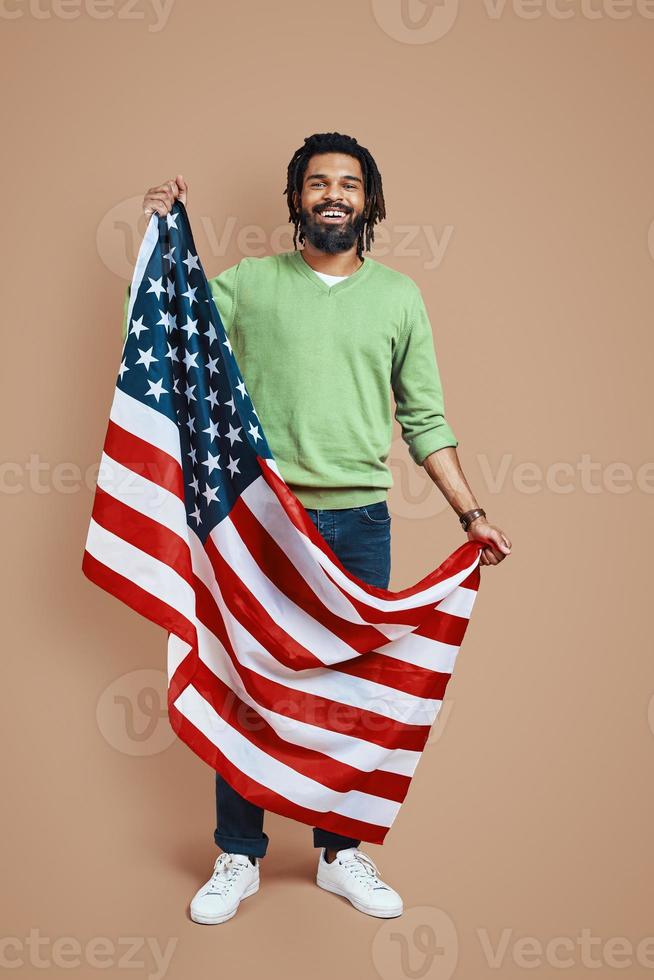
(320, 362)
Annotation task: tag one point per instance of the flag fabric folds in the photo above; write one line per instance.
(311, 692)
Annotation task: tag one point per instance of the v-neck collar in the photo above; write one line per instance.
(305, 269)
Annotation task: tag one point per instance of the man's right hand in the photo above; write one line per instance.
(162, 198)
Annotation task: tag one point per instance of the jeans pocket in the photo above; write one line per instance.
(376, 514)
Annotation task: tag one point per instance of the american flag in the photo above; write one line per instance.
(311, 692)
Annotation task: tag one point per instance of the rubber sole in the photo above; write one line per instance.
(214, 920)
(391, 913)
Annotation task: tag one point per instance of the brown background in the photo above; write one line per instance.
(525, 145)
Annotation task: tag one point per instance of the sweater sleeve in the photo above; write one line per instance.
(416, 383)
(223, 289)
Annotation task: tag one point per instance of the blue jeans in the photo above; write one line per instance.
(361, 538)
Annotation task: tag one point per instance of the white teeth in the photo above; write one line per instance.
(333, 214)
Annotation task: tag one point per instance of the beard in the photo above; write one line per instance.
(331, 238)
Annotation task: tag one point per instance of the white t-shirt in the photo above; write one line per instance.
(330, 280)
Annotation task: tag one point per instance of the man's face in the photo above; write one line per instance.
(332, 202)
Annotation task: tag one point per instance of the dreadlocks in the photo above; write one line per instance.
(374, 208)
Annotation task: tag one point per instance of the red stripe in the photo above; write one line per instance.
(151, 608)
(145, 459)
(277, 566)
(459, 560)
(264, 797)
(161, 543)
(330, 772)
(311, 708)
(245, 606)
(325, 713)
(144, 533)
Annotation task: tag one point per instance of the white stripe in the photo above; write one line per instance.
(354, 691)
(348, 749)
(296, 622)
(459, 602)
(267, 509)
(178, 650)
(422, 651)
(276, 775)
(148, 245)
(161, 505)
(143, 496)
(428, 596)
(150, 574)
(146, 423)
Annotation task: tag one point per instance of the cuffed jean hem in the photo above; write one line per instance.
(335, 842)
(255, 846)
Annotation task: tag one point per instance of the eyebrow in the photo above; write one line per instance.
(344, 177)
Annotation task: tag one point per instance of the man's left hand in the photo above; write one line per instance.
(498, 545)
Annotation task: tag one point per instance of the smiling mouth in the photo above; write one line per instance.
(333, 216)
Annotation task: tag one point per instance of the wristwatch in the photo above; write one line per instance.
(469, 516)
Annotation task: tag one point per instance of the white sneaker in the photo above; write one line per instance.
(355, 876)
(234, 877)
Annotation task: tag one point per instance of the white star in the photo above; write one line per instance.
(241, 388)
(190, 327)
(211, 493)
(211, 462)
(176, 389)
(211, 333)
(169, 255)
(171, 219)
(212, 397)
(211, 364)
(191, 425)
(194, 484)
(196, 514)
(122, 369)
(172, 353)
(156, 287)
(189, 393)
(189, 359)
(254, 432)
(232, 466)
(191, 261)
(190, 295)
(166, 320)
(138, 327)
(227, 344)
(193, 455)
(156, 389)
(212, 430)
(254, 412)
(231, 402)
(233, 434)
(170, 288)
(146, 357)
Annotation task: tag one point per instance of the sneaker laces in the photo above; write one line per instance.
(364, 869)
(225, 871)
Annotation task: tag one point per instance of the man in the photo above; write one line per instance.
(321, 336)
